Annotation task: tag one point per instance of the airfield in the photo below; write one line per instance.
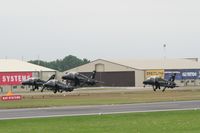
(104, 109)
(90, 101)
(113, 110)
(101, 96)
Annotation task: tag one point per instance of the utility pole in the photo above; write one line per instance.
(164, 58)
(164, 50)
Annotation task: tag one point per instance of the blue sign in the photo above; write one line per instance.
(190, 74)
(183, 74)
(199, 74)
(168, 74)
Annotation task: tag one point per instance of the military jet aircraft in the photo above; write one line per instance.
(57, 86)
(158, 82)
(36, 82)
(80, 79)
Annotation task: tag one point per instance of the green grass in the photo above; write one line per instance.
(101, 98)
(157, 122)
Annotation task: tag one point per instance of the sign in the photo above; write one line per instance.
(14, 78)
(199, 74)
(168, 74)
(159, 73)
(190, 74)
(11, 98)
(183, 74)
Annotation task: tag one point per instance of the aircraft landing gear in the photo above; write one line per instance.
(163, 89)
(55, 91)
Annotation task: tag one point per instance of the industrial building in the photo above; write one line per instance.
(119, 73)
(13, 72)
(133, 72)
(112, 74)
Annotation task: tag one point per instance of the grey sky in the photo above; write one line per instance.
(94, 29)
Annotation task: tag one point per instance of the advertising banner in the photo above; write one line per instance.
(149, 73)
(11, 98)
(168, 74)
(183, 74)
(199, 74)
(13, 78)
(190, 74)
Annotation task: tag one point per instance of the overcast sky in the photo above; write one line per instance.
(109, 29)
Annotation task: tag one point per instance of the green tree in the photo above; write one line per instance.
(61, 65)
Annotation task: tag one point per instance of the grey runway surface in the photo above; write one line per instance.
(97, 109)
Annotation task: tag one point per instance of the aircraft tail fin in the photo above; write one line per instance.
(93, 75)
(52, 77)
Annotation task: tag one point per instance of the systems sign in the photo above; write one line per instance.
(13, 78)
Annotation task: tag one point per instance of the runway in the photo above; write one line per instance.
(97, 109)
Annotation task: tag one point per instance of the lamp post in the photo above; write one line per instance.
(164, 59)
(164, 50)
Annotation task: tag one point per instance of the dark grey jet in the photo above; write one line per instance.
(80, 79)
(57, 86)
(158, 82)
(36, 82)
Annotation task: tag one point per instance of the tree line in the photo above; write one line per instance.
(61, 65)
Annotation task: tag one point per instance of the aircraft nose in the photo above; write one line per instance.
(25, 82)
(146, 82)
(64, 77)
(67, 76)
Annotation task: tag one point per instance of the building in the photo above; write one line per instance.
(13, 72)
(112, 74)
(133, 72)
(187, 70)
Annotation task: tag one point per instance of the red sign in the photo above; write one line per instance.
(11, 98)
(14, 78)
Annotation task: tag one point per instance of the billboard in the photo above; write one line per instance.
(159, 72)
(168, 74)
(190, 74)
(11, 98)
(14, 78)
(183, 74)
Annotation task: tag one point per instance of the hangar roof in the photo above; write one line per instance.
(12, 65)
(140, 64)
(110, 66)
(146, 64)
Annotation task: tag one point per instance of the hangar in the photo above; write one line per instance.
(13, 72)
(187, 69)
(112, 74)
(132, 72)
